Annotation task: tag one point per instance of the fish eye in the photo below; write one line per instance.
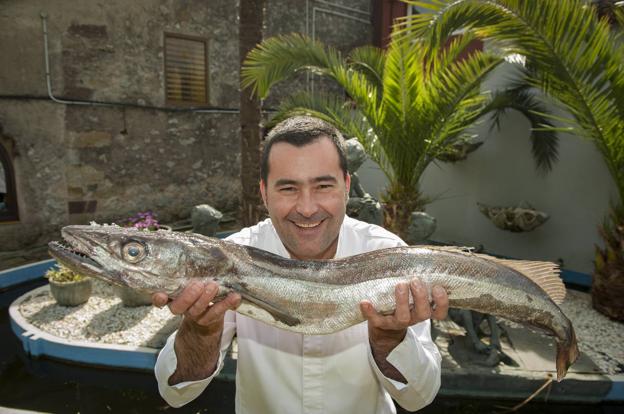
(133, 252)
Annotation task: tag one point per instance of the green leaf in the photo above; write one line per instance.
(406, 105)
(571, 55)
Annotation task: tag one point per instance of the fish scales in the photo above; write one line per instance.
(320, 297)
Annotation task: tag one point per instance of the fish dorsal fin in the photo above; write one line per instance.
(544, 274)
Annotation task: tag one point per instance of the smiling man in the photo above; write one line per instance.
(305, 186)
(306, 192)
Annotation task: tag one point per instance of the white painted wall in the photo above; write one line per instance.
(502, 172)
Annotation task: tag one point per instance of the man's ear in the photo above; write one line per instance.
(348, 185)
(263, 192)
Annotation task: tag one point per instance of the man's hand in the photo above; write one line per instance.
(198, 339)
(195, 302)
(385, 332)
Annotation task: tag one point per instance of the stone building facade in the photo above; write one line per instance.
(106, 139)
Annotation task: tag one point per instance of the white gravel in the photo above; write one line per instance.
(599, 337)
(104, 319)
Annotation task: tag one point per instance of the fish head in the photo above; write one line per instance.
(152, 261)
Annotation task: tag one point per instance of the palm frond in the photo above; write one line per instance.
(544, 137)
(456, 99)
(369, 60)
(412, 102)
(571, 54)
(281, 57)
(452, 52)
(618, 14)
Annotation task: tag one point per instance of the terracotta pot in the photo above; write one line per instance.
(71, 293)
(132, 298)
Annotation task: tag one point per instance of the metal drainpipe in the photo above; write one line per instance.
(44, 24)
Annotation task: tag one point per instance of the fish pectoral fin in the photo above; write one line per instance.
(275, 311)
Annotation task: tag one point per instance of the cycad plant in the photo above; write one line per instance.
(405, 106)
(577, 58)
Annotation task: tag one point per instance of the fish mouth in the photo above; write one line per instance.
(73, 258)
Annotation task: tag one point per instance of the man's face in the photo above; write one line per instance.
(306, 196)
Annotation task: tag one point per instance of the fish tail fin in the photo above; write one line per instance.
(567, 353)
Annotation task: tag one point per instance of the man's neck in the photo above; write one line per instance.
(328, 253)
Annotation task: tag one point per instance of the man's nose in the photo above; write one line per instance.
(306, 204)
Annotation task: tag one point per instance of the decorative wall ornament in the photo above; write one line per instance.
(516, 219)
(421, 226)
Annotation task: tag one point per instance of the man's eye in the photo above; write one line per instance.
(287, 189)
(325, 186)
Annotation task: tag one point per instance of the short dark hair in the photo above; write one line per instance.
(300, 131)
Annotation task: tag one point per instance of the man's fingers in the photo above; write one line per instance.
(440, 299)
(216, 310)
(422, 307)
(159, 299)
(187, 298)
(203, 301)
(402, 313)
(233, 300)
(369, 312)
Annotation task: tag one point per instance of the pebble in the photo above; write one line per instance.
(102, 319)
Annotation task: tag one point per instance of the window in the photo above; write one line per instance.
(186, 79)
(8, 199)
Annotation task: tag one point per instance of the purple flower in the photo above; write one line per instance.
(144, 220)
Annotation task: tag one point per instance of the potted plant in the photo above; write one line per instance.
(147, 221)
(406, 107)
(68, 287)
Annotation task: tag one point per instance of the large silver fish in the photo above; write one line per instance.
(321, 297)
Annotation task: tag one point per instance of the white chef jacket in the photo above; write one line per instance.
(280, 371)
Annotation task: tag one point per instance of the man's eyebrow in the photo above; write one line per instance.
(320, 179)
(324, 178)
(285, 181)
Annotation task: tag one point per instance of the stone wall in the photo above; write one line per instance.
(75, 163)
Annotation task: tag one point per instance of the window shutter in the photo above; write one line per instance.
(186, 80)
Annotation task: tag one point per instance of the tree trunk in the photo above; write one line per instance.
(399, 202)
(251, 15)
(608, 278)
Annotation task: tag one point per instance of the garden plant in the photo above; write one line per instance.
(574, 53)
(406, 106)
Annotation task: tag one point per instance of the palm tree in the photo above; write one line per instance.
(575, 57)
(405, 106)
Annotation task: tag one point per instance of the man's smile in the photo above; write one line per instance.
(307, 225)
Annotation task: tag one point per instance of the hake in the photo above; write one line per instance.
(321, 297)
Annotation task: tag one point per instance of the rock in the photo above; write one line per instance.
(366, 209)
(205, 219)
(421, 226)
